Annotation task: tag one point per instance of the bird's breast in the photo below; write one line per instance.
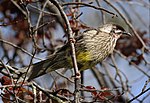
(93, 47)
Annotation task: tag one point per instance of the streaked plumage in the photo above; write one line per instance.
(92, 46)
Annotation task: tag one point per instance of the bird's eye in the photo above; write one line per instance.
(112, 31)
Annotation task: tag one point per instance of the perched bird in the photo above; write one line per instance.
(92, 46)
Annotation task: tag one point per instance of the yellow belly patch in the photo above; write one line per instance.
(83, 57)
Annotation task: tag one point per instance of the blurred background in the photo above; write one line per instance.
(35, 27)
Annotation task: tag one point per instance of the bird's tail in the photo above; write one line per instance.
(36, 70)
(54, 62)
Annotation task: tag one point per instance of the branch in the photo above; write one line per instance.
(71, 41)
(138, 95)
(50, 95)
(128, 23)
(17, 47)
(88, 5)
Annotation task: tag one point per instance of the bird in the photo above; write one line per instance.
(91, 47)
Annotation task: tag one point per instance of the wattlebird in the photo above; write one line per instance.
(92, 46)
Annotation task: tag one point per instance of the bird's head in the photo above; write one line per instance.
(114, 30)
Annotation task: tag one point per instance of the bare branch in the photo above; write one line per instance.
(88, 5)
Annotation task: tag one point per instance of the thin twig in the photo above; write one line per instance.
(88, 5)
(45, 12)
(40, 16)
(128, 23)
(49, 94)
(64, 76)
(19, 7)
(145, 85)
(23, 50)
(138, 95)
(117, 72)
(132, 63)
(12, 81)
(102, 12)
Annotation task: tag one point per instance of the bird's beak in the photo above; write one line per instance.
(126, 33)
